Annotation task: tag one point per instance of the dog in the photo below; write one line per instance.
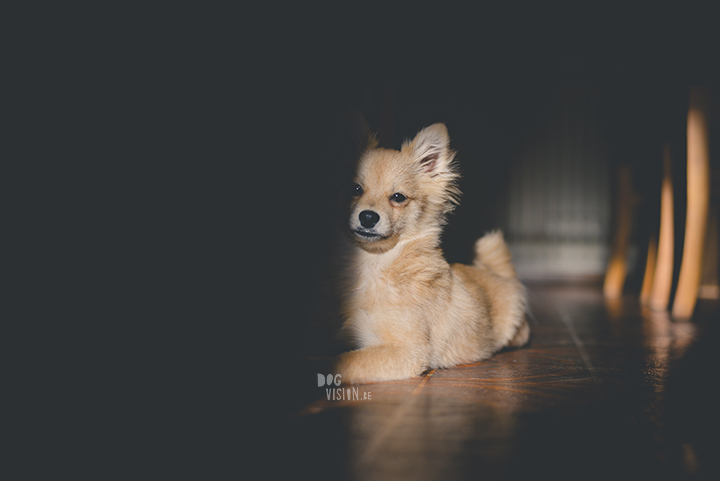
(403, 307)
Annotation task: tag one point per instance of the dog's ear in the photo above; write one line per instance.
(430, 149)
(354, 137)
(430, 152)
(359, 130)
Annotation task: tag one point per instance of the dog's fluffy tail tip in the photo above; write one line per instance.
(492, 252)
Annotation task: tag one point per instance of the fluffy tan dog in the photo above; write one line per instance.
(405, 308)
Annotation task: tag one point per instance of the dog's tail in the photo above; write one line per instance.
(492, 252)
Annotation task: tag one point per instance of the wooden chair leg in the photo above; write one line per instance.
(649, 271)
(698, 199)
(617, 267)
(662, 280)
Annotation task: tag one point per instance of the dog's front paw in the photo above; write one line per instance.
(378, 363)
(347, 366)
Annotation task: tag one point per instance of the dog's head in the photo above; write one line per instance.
(403, 194)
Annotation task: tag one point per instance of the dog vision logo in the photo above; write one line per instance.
(338, 393)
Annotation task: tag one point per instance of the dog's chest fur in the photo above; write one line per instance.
(373, 292)
(387, 292)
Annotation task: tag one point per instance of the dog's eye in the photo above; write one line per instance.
(398, 198)
(356, 190)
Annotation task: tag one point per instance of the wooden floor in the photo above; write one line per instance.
(604, 390)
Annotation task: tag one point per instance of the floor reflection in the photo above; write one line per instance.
(405, 444)
(587, 395)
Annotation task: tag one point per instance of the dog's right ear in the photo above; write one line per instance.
(359, 130)
(355, 137)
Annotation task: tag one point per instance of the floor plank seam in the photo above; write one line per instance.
(567, 320)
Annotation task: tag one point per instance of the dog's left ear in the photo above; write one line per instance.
(430, 148)
(430, 152)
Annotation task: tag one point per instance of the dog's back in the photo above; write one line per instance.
(489, 303)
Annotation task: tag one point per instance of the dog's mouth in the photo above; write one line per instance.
(367, 235)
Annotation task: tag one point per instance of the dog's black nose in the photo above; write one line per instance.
(369, 218)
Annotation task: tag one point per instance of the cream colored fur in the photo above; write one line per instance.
(403, 305)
